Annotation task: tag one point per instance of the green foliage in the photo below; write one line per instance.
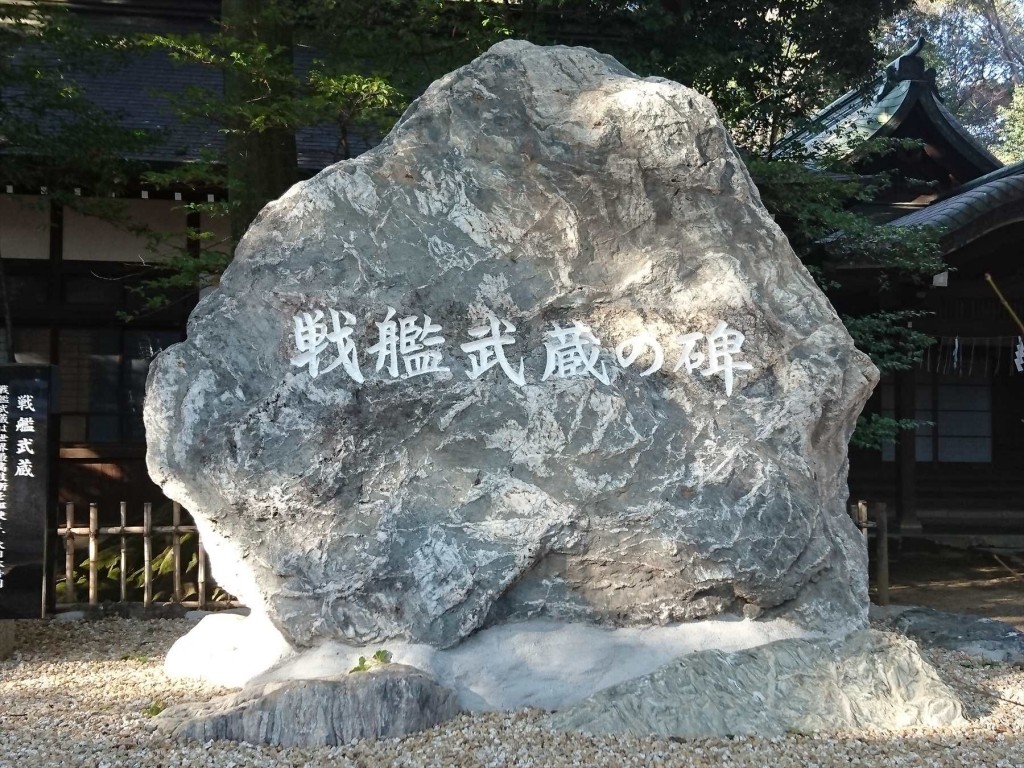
(874, 430)
(1011, 146)
(51, 134)
(108, 562)
(816, 206)
(154, 709)
(889, 338)
(265, 100)
(380, 658)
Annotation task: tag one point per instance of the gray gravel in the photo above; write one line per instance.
(82, 693)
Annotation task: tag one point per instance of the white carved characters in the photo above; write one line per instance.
(636, 347)
(312, 338)
(488, 350)
(411, 346)
(573, 351)
(723, 345)
(411, 342)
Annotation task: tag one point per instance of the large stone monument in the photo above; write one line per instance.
(542, 355)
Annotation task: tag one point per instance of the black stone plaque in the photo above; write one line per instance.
(27, 441)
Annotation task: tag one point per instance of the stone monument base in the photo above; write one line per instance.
(709, 678)
(537, 663)
(867, 680)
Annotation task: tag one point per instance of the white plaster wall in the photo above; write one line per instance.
(24, 227)
(87, 238)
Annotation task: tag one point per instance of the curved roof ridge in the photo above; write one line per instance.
(972, 212)
(1014, 169)
(851, 101)
(878, 110)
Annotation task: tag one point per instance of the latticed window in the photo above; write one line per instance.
(102, 377)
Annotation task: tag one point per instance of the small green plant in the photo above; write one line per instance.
(378, 659)
(154, 709)
(140, 657)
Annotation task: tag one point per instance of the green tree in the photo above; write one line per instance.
(1011, 145)
(766, 64)
(816, 206)
(973, 74)
(360, 82)
(52, 135)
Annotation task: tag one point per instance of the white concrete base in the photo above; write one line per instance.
(543, 664)
(227, 649)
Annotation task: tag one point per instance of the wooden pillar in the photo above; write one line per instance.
(906, 455)
(54, 285)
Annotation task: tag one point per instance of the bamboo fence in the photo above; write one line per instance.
(71, 534)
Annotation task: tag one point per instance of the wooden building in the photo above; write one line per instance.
(71, 276)
(964, 471)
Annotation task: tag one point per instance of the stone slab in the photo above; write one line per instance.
(870, 679)
(386, 702)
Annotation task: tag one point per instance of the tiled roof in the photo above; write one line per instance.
(976, 208)
(1015, 169)
(878, 109)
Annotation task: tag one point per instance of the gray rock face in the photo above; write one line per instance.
(870, 679)
(382, 703)
(543, 187)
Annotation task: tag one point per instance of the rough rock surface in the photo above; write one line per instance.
(382, 703)
(546, 186)
(6, 638)
(870, 679)
(974, 635)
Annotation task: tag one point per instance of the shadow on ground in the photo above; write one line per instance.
(974, 581)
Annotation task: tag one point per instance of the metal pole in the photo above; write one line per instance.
(147, 554)
(1005, 303)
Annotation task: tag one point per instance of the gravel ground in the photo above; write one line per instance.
(83, 694)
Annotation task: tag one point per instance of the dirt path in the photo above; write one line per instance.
(959, 581)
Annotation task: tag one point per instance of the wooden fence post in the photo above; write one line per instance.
(201, 573)
(94, 551)
(176, 549)
(882, 552)
(147, 554)
(69, 554)
(124, 552)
